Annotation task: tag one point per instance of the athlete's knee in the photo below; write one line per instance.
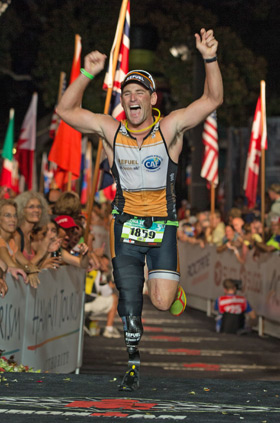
(161, 303)
(129, 280)
(161, 297)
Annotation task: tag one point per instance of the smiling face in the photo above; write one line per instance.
(33, 211)
(8, 220)
(137, 103)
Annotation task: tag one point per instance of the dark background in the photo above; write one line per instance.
(37, 43)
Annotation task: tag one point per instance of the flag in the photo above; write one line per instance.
(66, 148)
(209, 168)
(26, 147)
(9, 177)
(55, 121)
(116, 109)
(86, 171)
(253, 158)
(46, 173)
(105, 178)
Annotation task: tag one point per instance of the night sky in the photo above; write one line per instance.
(256, 22)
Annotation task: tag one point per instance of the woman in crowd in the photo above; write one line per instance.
(9, 251)
(68, 204)
(52, 259)
(231, 240)
(32, 214)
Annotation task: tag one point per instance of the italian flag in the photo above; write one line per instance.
(9, 174)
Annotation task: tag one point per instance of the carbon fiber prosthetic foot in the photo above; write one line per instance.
(132, 332)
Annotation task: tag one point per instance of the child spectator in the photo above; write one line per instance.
(231, 310)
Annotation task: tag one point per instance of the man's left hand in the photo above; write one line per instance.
(206, 43)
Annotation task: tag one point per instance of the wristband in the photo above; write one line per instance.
(87, 74)
(213, 59)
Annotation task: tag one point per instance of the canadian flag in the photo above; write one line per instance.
(258, 140)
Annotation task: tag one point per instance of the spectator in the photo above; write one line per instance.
(67, 227)
(230, 240)
(257, 229)
(9, 251)
(53, 258)
(273, 244)
(68, 204)
(191, 232)
(32, 214)
(237, 223)
(234, 212)
(51, 197)
(101, 298)
(3, 285)
(231, 310)
(184, 210)
(99, 234)
(274, 195)
(216, 231)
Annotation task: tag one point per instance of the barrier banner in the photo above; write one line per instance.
(271, 294)
(12, 318)
(43, 327)
(53, 321)
(203, 271)
(196, 267)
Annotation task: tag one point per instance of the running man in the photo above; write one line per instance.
(143, 153)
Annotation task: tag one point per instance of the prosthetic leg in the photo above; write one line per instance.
(129, 279)
(132, 334)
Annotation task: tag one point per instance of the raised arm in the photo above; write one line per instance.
(183, 119)
(69, 107)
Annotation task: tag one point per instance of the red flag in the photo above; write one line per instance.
(209, 168)
(66, 149)
(116, 109)
(253, 158)
(26, 146)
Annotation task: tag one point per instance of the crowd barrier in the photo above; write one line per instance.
(43, 328)
(203, 271)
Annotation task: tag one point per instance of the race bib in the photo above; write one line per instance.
(134, 232)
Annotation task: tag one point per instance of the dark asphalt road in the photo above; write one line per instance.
(185, 347)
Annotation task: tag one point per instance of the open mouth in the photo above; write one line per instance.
(135, 109)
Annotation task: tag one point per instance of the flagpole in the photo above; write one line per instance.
(263, 111)
(212, 198)
(59, 95)
(106, 111)
(77, 42)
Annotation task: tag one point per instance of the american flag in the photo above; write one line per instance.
(209, 168)
(116, 109)
(105, 178)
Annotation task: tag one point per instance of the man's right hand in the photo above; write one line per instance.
(94, 62)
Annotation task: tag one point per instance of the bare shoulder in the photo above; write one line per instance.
(109, 127)
(172, 137)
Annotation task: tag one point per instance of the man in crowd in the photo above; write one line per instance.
(143, 153)
(216, 231)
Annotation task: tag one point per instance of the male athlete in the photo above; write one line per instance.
(143, 153)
